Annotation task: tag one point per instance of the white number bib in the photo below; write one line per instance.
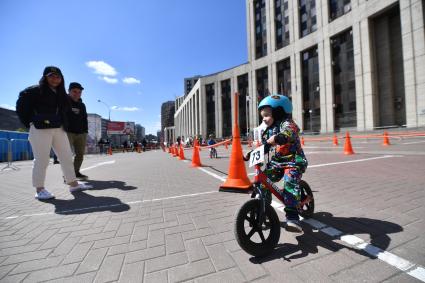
(257, 156)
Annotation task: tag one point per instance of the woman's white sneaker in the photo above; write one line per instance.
(43, 195)
(80, 187)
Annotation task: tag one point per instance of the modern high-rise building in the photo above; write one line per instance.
(345, 64)
(189, 83)
(167, 122)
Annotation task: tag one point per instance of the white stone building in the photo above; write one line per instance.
(357, 65)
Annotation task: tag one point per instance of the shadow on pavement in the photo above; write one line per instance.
(103, 185)
(310, 240)
(86, 203)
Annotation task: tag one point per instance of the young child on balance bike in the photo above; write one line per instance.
(283, 133)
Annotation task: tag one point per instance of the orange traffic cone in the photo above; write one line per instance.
(335, 140)
(176, 151)
(196, 160)
(302, 141)
(386, 139)
(348, 149)
(237, 180)
(110, 151)
(181, 153)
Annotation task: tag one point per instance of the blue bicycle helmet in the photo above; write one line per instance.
(276, 100)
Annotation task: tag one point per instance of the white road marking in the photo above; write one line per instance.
(109, 205)
(98, 164)
(418, 273)
(413, 142)
(343, 162)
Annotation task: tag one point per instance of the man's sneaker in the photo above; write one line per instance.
(43, 195)
(81, 176)
(56, 162)
(80, 187)
(293, 226)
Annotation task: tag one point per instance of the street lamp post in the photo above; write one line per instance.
(109, 109)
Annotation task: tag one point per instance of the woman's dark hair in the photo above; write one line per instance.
(60, 90)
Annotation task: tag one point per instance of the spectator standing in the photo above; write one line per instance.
(42, 109)
(77, 128)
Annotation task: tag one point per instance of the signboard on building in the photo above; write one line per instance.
(121, 128)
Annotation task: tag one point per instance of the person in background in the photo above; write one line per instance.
(77, 127)
(42, 109)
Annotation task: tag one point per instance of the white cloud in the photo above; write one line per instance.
(101, 68)
(109, 80)
(7, 106)
(130, 80)
(126, 109)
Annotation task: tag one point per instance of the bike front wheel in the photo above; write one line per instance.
(307, 209)
(257, 239)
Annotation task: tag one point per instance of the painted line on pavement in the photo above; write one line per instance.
(98, 165)
(109, 205)
(416, 271)
(406, 266)
(413, 142)
(343, 162)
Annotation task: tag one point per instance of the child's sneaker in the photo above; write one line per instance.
(80, 187)
(293, 226)
(43, 195)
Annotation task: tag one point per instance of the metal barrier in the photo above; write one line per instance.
(14, 149)
(9, 157)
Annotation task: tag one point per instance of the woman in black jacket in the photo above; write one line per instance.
(42, 109)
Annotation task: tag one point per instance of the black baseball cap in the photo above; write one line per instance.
(52, 70)
(75, 85)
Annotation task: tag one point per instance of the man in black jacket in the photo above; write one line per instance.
(77, 127)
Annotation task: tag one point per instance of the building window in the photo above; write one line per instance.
(210, 97)
(281, 17)
(308, 18)
(226, 106)
(310, 90)
(260, 28)
(243, 85)
(283, 69)
(337, 8)
(344, 80)
(262, 81)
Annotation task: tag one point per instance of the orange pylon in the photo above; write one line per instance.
(110, 151)
(181, 153)
(386, 139)
(335, 140)
(348, 149)
(176, 151)
(196, 160)
(237, 180)
(302, 141)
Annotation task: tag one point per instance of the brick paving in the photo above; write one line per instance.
(153, 218)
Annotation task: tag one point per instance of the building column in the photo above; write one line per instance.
(326, 87)
(364, 76)
(254, 101)
(271, 31)
(250, 27)
(413, 39)
(296, 89)
(217, 92)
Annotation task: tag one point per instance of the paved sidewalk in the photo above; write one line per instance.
(153, 218)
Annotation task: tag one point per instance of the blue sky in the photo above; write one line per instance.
(133, 55)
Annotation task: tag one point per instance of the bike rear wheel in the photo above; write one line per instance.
(257, 240)
(307, 209)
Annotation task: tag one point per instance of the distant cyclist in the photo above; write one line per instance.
(211, 141)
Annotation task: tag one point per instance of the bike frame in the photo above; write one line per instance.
(261, 178)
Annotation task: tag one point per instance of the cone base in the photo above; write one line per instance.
(236, 185)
